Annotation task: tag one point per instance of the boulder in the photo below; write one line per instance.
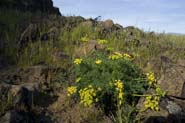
(108, 24)
(25, 96)
(173, 79)
(22, 96)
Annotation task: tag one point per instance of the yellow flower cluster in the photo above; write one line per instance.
(101, 41)
(119, 87)
(77, 61)
(98, 61)
(127, 56)
(71, 90)
(85, 39)
(115, 56)
(118, 55)
(87, 96)
(152, 102)
(151, 78)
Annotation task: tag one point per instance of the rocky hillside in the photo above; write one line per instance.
(37, 49)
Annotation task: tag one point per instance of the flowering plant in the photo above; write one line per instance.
(108, 79)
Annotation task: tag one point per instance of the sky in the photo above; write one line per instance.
(150, 15)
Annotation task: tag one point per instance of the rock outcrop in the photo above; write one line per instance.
(23, 90)
(45, 6)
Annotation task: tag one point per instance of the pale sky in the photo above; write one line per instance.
(149, 15)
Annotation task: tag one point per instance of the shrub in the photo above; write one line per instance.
(108, 80)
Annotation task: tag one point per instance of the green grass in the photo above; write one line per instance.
(145, 45)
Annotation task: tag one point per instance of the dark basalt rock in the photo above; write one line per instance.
(14, 116)
(45, 6)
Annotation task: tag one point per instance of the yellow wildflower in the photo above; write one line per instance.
(152, 102)
(151, 78)
(115, 56)
(118, 84)
(127, 56)
(98, 61)
(71, 90)
(119, 87)
(77, 61)
(87, 96)
(101, 41)
(118, 54)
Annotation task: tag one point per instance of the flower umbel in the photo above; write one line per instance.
(115, 56)
(119, 87)
(71, 90)
(151, 78)
(152, 102)
(87, 96)
(118, 84)
(101, 41)
(77, 61)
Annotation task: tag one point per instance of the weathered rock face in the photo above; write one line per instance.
(106, 26)
(173, 79)
(45, 6)
(23, 94)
